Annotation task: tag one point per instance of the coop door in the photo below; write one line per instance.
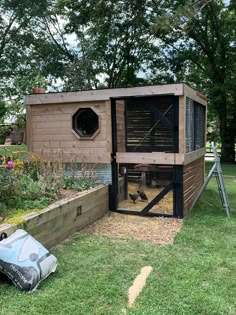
(146, 189)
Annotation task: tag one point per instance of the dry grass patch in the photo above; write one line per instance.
(156, 230)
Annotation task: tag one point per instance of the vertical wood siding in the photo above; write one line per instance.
(120, 120)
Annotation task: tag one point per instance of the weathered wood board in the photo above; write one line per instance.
(50, 131)
(61, 219)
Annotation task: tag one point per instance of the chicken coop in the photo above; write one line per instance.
(147, 143)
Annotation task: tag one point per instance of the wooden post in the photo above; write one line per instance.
(178, 192)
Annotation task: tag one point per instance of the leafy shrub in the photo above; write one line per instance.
(27, 185)
(78, 183)
(86, 179)
(21, 191)
(34, 184)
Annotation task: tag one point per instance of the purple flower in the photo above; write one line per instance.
(10, 165)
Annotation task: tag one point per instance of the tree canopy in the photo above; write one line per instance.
(201, 38)
(107, 43)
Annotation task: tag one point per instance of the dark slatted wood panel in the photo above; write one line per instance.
(146, 132)
(193, 181)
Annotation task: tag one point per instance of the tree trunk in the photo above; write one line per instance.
(227, 145)
(227, 125)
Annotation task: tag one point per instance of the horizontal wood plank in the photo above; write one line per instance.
(103, 94)
(193, 180)
(150, 158)
(55, 223)
(194, 155)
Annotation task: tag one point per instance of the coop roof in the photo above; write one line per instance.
(105, 94)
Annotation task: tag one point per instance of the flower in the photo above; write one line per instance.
(10, 165)
(19, 163)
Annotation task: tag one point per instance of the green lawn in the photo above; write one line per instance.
(196, 275)
(17, 151)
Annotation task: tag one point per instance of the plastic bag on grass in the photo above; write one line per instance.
(25, 261)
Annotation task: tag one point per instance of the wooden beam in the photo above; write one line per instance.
(29, 128)
(182, 109)
(108, 126)
(150, 158)
(201, 95)
(103, 94)
(194, 95)
(194, 155)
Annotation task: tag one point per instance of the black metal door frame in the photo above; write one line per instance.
(176, 185)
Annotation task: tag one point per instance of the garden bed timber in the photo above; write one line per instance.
(55, 223)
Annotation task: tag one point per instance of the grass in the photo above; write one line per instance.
(18, 151)
(194, 276)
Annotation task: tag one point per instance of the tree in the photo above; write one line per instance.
(116, 46)
(200, 37)
(15, 17)
(3, 110)
(29, 48)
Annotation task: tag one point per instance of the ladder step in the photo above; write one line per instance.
(220, 182)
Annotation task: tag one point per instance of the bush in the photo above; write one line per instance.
(86, 179)
(21, 191)
(78, 183)
(34, 184)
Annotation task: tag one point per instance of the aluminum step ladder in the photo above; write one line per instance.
(216, 171)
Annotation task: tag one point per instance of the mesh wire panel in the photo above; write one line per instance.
(199, 126)
(189, 132)
(195, 125)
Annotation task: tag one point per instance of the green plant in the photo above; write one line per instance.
(8, 184)
(78, 183)
(5, 130)
(21, 191)
(3, 110)
(26, 185)
(81, 177)
(34, 184)
(21, 120)
(39, 81)
(16, 151)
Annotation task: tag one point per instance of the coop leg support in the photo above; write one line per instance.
(178, 192)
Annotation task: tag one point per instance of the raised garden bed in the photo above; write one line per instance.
(55, 223)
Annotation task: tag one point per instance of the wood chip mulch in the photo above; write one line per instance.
(158, 230)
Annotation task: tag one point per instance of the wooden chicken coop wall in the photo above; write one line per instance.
(120, 120)
(193, 179)
(50, 132)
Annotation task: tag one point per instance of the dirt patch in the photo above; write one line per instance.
(138, 284)
(65, 193)
(157, 229)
